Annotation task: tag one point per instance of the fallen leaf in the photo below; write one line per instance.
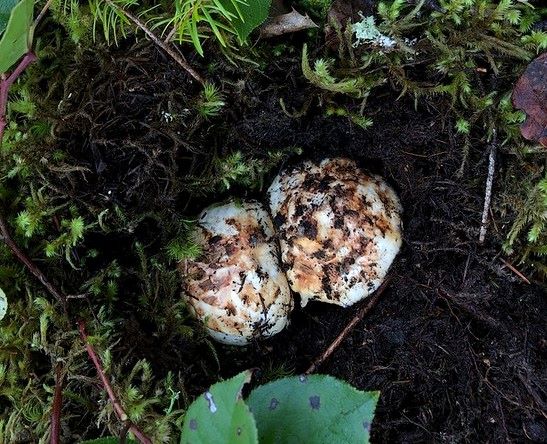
(286, 23)
(530, 96)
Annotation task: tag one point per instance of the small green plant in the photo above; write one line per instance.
(183, 21)
(237, 168)
(183, 246)
(529, 230)
(450, 48)
(317, 8)
(315, 409)
(211, 101)
(321, 75)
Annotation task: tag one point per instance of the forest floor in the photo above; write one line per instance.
(457, 343)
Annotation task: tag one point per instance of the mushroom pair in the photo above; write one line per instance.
(339, 230)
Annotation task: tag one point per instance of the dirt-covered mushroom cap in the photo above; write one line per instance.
(237, 287)
(339, 229)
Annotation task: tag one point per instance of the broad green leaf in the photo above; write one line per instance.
(220, 416)
(314, 409)
(15, 40)
(248, 15)
(3, 304)
(108, 440)
(5, 10)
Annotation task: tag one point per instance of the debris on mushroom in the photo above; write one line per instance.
(339, 228)
(237, 287)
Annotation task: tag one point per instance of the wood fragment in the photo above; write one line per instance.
(161, 44)
(365, 309)
(488, 189)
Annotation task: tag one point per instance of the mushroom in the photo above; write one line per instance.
(339, 228)
(237, 287)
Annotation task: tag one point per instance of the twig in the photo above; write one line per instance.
(489, 184)
(57, 406)
(514, 270)
(27, 262)
(118, 409)
(41, 14)
(176, 57)
(346, 331)
(5, 84)
(170, 35)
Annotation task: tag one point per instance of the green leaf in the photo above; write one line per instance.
(220, 416)
(108, 440)
(314, 409)
(3, 304)
(5, 10)
(16, 42)
(247, 16)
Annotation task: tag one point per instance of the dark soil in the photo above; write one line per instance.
(457, 343)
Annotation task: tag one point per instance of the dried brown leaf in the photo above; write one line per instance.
(530, 96)
(286, 24)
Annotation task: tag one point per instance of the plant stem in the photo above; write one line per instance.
(57, 406)
(31, 266)
(348, 328)
(118, 409)
(176, 57)
(5, 84)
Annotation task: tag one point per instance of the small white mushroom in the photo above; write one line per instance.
(237, 287)
(339, 228)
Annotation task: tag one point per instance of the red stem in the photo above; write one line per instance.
(5, 84)
(118, 409)
(57, 406)
(27, 262)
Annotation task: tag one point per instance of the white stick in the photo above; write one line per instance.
(488, 192)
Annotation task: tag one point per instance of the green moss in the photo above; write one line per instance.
(316, 8)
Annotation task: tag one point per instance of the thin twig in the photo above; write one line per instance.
(176, 57)
(348, 328)
(31, 266)
(489, 184)
(42, 13)
(171, 34)
(57, 406)
(118, 409)
(514, 270)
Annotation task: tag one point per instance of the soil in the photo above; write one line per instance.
(457, 343)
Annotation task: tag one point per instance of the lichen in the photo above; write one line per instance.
(366, 32)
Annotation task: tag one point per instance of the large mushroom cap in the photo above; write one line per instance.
(339, 229)
(237, 288)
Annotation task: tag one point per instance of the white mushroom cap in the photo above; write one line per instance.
(237, 287)
(340, 230)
